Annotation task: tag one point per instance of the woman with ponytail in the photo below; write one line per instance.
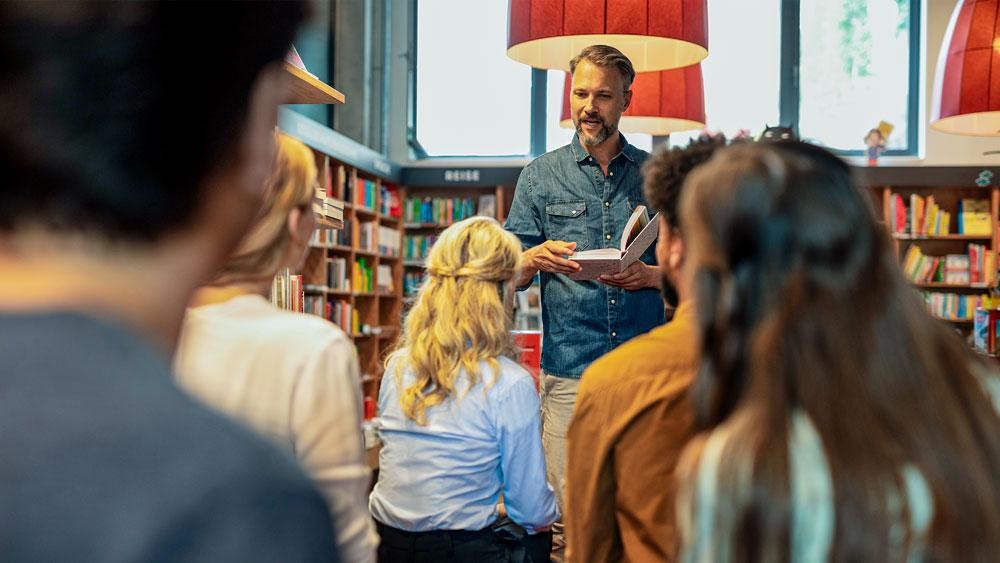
(459, 418)
(291, 377)
(842, 422)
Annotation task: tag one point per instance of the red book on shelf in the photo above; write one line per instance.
(328, 177)
(974, 271)
(900, 218)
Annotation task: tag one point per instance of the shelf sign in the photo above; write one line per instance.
(466, 175)
(382, 167)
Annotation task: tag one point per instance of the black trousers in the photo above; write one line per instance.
(460, 546)
(452, 546)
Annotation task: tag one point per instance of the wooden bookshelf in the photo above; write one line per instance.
(416, 226)
(947, 197)
(378, 310)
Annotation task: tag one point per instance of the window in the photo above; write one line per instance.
(471, 99)
(741, 84)
(833, 69)
(854, 71)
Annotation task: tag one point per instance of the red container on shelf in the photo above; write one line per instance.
(984, 331)
(530, 344)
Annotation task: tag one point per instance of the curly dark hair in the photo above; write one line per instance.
(664, 173)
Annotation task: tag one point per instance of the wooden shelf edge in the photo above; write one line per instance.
(324, 222)
(307, 89)
(957, 321)
(941, 285)
(900, 236)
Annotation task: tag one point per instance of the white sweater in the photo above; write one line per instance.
(293, 378)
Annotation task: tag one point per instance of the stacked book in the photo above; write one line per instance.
(438, 211)
(974, 267)
(388, 241)
(923, 216)
(952, 306)
(286, 291)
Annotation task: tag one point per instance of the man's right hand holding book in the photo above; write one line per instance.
(550, 256)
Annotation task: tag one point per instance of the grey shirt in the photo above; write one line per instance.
(102, 458)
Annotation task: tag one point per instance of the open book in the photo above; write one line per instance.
(640, 232)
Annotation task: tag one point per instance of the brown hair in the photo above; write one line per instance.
(664, 173)
(605, 56)
(292, 184)
(802, 308)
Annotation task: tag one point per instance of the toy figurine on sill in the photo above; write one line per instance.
(875, 141)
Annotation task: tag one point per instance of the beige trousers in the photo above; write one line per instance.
(558, 400)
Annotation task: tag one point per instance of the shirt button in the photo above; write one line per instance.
(607, 203)
(612, 301)
(607, 237)
(614, 334)
(611, 173)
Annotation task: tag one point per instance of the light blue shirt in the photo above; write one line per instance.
(447, 474)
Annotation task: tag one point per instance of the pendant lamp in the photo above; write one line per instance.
(653, 34)
(967, 80)
(663, 102)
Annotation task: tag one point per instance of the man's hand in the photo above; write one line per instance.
(550, 256)
(636, 276)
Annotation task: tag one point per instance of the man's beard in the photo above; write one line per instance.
(602, 134)
(669, 292)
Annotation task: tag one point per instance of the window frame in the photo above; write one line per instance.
(789, 88)
(790, 98)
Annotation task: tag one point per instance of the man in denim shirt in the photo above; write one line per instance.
(579, 197)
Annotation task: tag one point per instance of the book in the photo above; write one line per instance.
(640, 232)
(488, 205)
(974, 217)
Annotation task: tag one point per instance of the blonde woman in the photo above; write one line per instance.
(292, 377)
(459, 419)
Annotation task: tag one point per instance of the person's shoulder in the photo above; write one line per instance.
(245, 487)
(270, 326)
(554, 156)
(643, 356)
(639, 157)
(634, 152)
(513, 372)
(511, 380)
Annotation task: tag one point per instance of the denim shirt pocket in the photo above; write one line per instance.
(567, 221)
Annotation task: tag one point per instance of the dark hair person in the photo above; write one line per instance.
(844, 423)
(135, 142)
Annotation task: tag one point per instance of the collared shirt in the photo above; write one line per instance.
(631, 423)
(448, 473)
(564, 195)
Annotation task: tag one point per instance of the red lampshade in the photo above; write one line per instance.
(662, 102)
(967, 82)
(653, 34)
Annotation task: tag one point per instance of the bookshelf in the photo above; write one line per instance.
(428, 210)
(946, 239)
(353, 275)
